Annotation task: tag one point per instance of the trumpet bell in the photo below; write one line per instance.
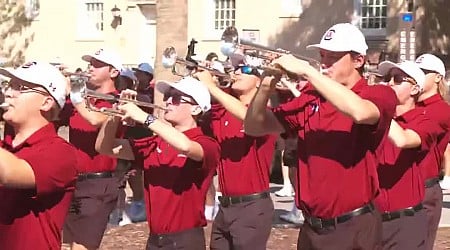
(230, 39)
(227, 49)
(230, 35)
(169, 57)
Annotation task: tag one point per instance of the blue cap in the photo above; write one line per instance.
(144, 67)
(128, 73)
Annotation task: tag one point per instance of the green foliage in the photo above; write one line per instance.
(13, 38)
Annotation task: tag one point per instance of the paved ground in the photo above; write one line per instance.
(134, 236)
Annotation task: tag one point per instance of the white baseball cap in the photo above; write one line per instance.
(431, 62)
(144, 67)
(106, 56)
(409, 67)
(42, 74)
(343, 37)
(190, 86)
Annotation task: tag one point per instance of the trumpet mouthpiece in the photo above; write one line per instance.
(4, 105)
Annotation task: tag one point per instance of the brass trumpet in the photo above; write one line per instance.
(231, 44)
(170, 59)
(78, 83)
(90, 94)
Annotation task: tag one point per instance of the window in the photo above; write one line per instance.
(90, 19)
(371, 16)
(220, 14)
(224, 14)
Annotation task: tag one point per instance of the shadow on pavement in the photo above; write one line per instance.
(278, 223)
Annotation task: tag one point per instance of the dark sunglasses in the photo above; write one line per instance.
(177, 98)
(398, 79)
(22, 88)
(248, 70)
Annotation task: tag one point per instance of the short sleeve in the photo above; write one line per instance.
(385, 99)
(288, 113)
(211, 152)
(55, 168)
(143, 147)
(427, 131)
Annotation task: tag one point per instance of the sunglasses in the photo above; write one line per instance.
(178, 99)
(398, 79)
(248, 70)
(21, 88)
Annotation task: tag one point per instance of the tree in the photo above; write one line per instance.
(14, 35)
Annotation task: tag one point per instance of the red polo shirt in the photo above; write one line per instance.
(337, 162)
(245, 160)
(83, 136)
(438, 111)
(33, 218)
(401, 183)
(175, 186)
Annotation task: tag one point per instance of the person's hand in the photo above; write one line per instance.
(285, 85)
(291, 64)
(206, 78)
(268, 82)
(131, 113)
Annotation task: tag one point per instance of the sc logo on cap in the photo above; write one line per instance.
(28, 65)
(98, 52)
(419, 60)
(329, 35)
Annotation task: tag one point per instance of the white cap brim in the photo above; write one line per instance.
(7, 72)
(164, 86)
(409, 68)
(318, 46)
(87, 58)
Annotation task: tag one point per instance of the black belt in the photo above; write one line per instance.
(97, 175)
(166, 239)
(225, 201)
(409, 211)
(319, 223)
(431, 182)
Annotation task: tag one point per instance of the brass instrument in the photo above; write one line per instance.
(90, 94)
(78, 83)
(232, 44)
(3, 104)
(170, 60)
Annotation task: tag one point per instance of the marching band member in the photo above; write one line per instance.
(289, 154)
(37, 167)
(97, 187)
(432, 99)
(211, 206)
(179, 163)
(244, 220)
(341, 122)
(411, 135)
(145, 92)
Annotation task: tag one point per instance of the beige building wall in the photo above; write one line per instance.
(55, 33)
